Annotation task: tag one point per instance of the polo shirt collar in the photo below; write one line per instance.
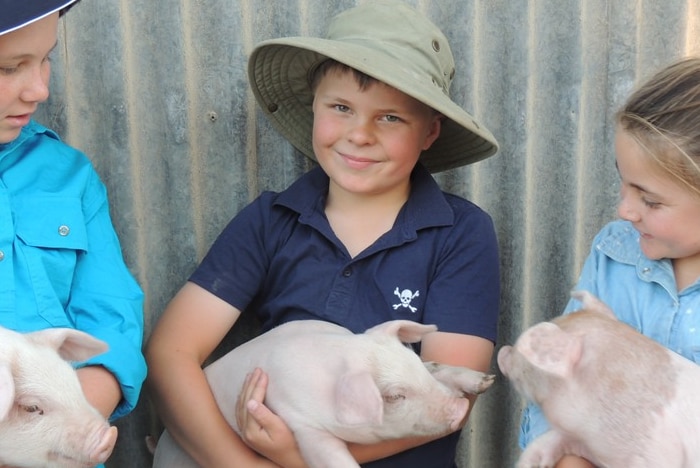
(426, 207)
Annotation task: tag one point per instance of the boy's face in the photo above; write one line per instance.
(24, 73)
(368, 141)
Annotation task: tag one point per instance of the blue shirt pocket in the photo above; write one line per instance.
(51, 236)
(52, 223)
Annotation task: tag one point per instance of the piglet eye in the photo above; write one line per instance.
(394, 397)
(32, 409)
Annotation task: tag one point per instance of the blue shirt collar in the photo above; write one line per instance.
(28, 131)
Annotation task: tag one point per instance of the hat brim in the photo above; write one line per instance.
(16, 15)
(278, 72)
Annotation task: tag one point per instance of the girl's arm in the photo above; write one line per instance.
(100, 388)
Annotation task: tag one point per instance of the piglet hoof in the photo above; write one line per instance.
(151, 443)
(461, 379)
(486, 381)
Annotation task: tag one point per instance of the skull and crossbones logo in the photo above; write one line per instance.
(406, 296)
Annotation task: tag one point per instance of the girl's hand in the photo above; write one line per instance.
(261, 429)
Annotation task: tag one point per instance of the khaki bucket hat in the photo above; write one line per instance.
(387, 40)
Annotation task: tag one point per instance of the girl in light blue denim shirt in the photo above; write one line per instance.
(646, 266)
(60, 260)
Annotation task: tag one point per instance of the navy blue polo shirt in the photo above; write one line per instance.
(279, 258)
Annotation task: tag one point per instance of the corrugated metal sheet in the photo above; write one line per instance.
(156, 94)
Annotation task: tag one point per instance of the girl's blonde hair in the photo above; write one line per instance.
(663, 116)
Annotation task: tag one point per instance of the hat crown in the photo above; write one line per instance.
(407, 39)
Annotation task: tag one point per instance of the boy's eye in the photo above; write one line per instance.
(392, 118)
(8, 70)
(341, 107)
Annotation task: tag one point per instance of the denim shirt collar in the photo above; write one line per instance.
(622, 245)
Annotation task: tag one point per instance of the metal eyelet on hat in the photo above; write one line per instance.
(442, 86)
(272, 108)
(436, 45)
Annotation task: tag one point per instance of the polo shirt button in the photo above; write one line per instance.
(2, 255)
(347, 272)
(63, 230)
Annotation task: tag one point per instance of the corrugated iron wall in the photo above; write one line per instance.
(156, 94)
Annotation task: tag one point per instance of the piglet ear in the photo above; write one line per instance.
(407, 331)
(7, 389)
(71, 345)
(549, 348)
(358, 401)
(592, 303)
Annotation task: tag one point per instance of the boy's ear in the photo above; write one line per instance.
(434, 131)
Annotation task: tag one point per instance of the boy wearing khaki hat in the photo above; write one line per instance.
(364, 238)
(61, 264)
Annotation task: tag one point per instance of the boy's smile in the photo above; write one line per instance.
(368, 140)
(24, 73)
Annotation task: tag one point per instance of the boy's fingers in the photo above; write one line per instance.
(260, 413)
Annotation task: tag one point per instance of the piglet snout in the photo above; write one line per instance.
(97, 448)
(503, 358)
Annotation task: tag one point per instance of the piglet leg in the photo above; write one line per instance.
(544, 452)
(461, 378)
(322, 450)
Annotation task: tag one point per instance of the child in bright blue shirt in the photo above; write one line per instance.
(646, 266)
(365, 237)
(60, 260)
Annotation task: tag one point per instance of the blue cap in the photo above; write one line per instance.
(19, 13)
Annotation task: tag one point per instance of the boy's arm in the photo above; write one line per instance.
(193, 324)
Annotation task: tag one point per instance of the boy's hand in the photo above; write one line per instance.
(261, 429)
